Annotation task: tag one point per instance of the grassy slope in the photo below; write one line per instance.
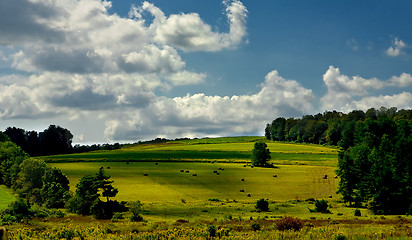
(299, 175)
(236, 149)
(6, 196)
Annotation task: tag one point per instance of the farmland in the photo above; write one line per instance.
(187, 185)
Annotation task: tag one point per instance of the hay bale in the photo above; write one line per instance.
(275, 175)
(325, 176)
(242, 190)
(248, 195)
(242, 179)
(182, 170)
(194, 175)
(145, 174)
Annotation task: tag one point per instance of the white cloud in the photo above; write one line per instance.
(202, 115)
(401, 101)
(343, 92)
(396, 49)
(186, 78)
(190, 33)
(403, 80)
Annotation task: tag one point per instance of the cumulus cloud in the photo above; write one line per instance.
(347, 93)
(202, 115)
(396, 49)
(401, 101)
(190, 33)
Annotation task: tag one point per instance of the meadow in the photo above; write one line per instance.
(186, 186)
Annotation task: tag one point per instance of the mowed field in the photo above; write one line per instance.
(146, 172)
(235, 149)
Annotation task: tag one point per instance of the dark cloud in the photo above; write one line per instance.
(19, 22)
(84, 99)
(74, 61)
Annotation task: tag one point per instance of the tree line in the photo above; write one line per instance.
(375, 157)
(53, 140)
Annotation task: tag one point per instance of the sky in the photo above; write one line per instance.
(124, 71)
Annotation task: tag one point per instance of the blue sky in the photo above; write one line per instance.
(134, 70)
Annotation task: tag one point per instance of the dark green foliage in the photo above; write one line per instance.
(11, 156)
(321, 206)
(262, 205)
(340, 236)
(87, 201)
(18, 210)
(255, 226)
(4, 137)
(30, 181)
(55, 190)
(358, 213)
(135, 208)
(211, 230)
(53, 140)
(289, 223)
(377, 168)
(85, 197)
(260, 155)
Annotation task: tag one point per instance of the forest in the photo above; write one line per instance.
(375, 158)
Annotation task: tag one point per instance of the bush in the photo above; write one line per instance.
(7, 219)
(262, 205)
(135, 208)
(18, 210)
(358, 213)
(256, 226)
(211, 230)
(136, 218)
(321, 206)
(289, 223)
(340, 237)
(117, 216)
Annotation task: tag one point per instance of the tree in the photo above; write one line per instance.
(102, 182)
(55, 190)
(56, 140)
(260, 154)
(10, 158)
(87, 198)
(86, 194)
(262, 205)
(30, 180)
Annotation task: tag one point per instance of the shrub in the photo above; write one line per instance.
(289, 223)
(340, 237)
(211, 230)
(17, 211)
(136, 218)
(256, 226)
(358, 213)
(117, 216)
(321, 206)
(262, 205)
(135, 208)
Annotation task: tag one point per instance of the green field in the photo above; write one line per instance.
(179, 205)
(6, 196)
(236, 149)
(170, 194)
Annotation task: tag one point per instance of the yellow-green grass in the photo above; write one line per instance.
(236, 149)
(165, 183)
(6, 196)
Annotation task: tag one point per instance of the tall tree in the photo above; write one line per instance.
(260, 154)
